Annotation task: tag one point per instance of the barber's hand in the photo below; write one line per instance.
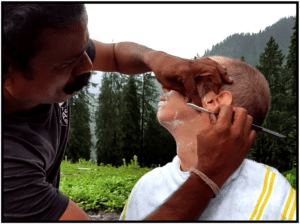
(179, 74)
(225, 143)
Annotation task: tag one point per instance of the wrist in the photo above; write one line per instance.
(152, 58)
(201, 183)
(214, 187)
(213, 175)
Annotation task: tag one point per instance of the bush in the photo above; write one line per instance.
(291, 177)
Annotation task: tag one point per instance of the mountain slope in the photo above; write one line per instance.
(252, 45)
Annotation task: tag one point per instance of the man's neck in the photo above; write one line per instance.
(14, 107)
(186, 148)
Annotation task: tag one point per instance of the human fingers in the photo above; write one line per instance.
(224, 115)
(215, 69)
(239, 120)
(221, 69)
(171, 84)
(251, 133)
(191, 90)
(189, 85)
(252, 137)
(248, 125)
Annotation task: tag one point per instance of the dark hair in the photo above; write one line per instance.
(23, 22)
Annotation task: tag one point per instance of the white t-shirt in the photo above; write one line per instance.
(253, 192)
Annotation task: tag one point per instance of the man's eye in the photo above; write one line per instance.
(67, 64)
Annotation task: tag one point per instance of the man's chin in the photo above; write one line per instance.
(66, 97)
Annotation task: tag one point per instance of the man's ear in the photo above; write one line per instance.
(211, 101)
(9, 79)
(224, 98)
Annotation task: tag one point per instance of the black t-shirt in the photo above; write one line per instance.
(33, 148)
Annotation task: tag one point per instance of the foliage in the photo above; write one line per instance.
(79, 141)
(291, 177)
(148, 94)
(292, 62)
(280, 117)
(99, 187)
(108, 129)
(159, 144)
(130, 119)
(126, 122)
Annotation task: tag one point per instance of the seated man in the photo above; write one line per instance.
(253, 192)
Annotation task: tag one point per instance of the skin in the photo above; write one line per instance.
(60, 64)
(62, 67)
(173, 105)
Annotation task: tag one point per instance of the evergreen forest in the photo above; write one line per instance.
(121, 122)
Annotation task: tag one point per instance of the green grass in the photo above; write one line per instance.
(101, 187)
(107, 188)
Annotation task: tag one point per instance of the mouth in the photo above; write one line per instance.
(162, 98)
(161, 103)
(80, 82)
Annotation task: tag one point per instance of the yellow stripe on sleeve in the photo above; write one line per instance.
(261, 195)
(287, 204)
(293, 208)
(125, 208)
(267, 197)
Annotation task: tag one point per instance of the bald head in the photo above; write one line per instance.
(249, 89)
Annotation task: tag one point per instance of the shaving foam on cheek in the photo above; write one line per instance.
(177, 122)
(168, 94)
(173, 124)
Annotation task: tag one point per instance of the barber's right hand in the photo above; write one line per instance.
(224, 144)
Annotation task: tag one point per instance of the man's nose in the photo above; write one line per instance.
(85, 65)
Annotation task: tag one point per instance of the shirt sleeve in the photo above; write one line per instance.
(27, 196)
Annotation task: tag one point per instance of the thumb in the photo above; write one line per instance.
(190, 86)
(173, 85)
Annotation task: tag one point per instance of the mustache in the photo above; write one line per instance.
(80, 82)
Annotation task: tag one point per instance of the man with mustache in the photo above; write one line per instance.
(47, 57)
(253, 192)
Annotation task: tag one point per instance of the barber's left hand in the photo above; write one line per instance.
(179, 74)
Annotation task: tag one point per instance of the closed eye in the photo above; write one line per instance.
(68, 63)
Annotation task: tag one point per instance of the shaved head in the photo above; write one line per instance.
(249, 89)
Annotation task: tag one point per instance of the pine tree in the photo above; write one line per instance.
(291, 65)
(159, 144)
(271, 61)
(148, 94)
(291, 80)
(267, 149)
(130, 120)
(108, 129)
(79, 141)
(242, 58)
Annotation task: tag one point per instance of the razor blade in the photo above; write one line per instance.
(254, 126)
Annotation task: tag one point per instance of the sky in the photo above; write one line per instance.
(181, 30)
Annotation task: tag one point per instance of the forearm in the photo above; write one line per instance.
(132, 58)
(187, 203)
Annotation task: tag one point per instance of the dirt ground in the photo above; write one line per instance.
(94, 216)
